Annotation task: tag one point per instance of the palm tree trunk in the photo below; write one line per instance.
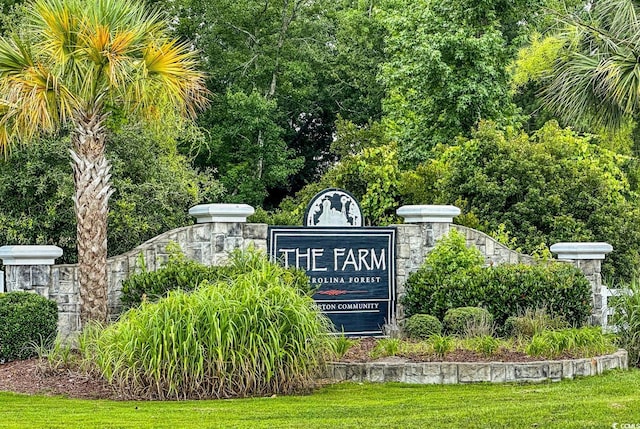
(92, 192)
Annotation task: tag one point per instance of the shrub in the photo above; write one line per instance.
(441, 344)
(386, 347)
(28, 320)
(626, 318)
(583, 342)
(181, 273)
(448, 263)
(177, 274)
(463, 321)
(422, 326)
(254, 334)
(342, 344)
(504, 290)
(532, 322)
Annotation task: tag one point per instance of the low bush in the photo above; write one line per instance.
(532, 322)
(28, 321)
(181, 273)
(467, 321)
(422, 326)
(452, 276)
(387, 347)
(254, 334)
(626, 318)
(583, 342)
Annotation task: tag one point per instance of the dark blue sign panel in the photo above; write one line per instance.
(352, 268)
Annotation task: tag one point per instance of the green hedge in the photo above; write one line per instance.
(422, 326)
(27, 320)
(453, 277)
(177, 274)
(462, 320)
(254, 334)
(180, 273)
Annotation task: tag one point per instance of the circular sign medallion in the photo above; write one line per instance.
(333, 207)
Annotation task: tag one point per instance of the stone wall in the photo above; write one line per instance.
(216, 235)
(475, 372)
(208, 243)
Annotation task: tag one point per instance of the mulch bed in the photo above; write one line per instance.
(361, 352)
(33, 376)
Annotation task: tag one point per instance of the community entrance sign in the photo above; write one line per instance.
(353, 269)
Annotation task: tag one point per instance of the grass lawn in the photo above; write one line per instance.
(593, 402)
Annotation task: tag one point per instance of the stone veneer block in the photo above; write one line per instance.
(227, 213)
(567, 369)
(355, 372)
(432, 373)
(449, 371)
(473, 373)
(339, 372)
(534, 371)
(555, 371)
(376, 373)
(574, 251)
(582, 367)
(393, 372)
(255, 231)
(29, 255)
(428, 214)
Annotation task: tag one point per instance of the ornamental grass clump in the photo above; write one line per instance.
(255, 334)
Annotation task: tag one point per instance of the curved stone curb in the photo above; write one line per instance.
(464, 372)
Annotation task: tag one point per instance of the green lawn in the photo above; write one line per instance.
(594, 402)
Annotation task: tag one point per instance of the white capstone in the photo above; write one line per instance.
(581, 250)
(206, 213)
(428, 214)
(29, 255)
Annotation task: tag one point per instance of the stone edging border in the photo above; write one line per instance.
(467, 372)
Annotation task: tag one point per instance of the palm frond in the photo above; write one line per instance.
(15, 56)
(172, 65)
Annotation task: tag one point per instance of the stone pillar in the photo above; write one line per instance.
(423, 225)
(588, 257)
(28, 268)
(228, 229)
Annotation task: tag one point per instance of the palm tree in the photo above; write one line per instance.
(73, 63)
(596, 80)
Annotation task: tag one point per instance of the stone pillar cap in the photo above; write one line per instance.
(29, 255)
(231, 213)
(581, 250)
(428, 214)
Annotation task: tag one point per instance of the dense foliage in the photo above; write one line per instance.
(462, 320)
(452, 276)
(253, 334)
(542, 189)
(184, 274)
(422, 326)
(626, 319)
(29, 321)
(154, 185)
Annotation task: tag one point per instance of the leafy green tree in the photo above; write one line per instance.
(72, 63)
(446, 68)
(280, 73)
(549, 187)
(155, 187)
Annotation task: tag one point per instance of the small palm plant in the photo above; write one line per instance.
(74, 62)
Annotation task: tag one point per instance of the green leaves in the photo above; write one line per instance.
(596, 77)
(451, 277)
(29, 321)
(253, 333)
